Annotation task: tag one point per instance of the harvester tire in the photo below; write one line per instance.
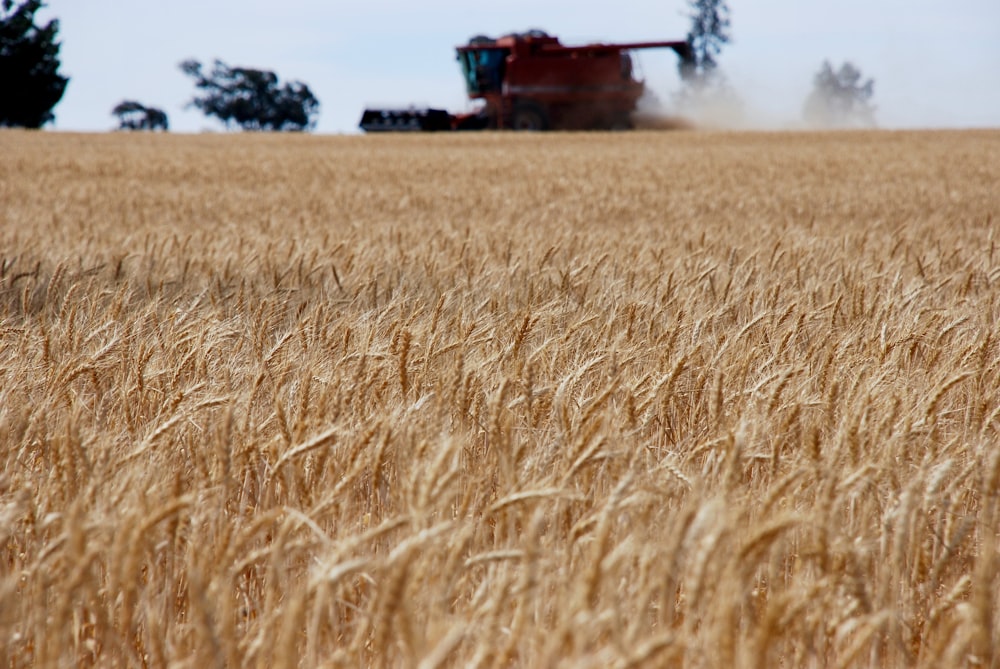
(621, 122)
(528, 117)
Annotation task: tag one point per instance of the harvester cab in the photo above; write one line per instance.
(530, 81)
(483, 66)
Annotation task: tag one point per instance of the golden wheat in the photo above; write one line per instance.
(647, 399)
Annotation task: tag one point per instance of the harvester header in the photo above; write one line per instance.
(531, 81)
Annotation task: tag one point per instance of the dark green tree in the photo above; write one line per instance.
(709, 31)
(30, 83)
(134, 115)
(252, 99)
(707, 95)
(840, 99)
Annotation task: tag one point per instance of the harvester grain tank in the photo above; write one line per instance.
(530, 81)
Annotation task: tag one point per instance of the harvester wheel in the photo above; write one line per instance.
(528, 116)
(621, 122)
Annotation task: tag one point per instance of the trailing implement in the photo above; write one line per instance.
(530, 81)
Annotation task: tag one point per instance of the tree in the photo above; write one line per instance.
(709, 31)
(30, 83)
(252, 99)
(839, 99)
(707, 95)
(133, 115)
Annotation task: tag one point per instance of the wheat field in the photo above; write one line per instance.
(651, 399)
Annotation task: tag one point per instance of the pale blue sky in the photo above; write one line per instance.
(936, 63)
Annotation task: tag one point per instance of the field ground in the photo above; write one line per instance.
(585, 400)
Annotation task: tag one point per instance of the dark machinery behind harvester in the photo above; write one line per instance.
(529, 81)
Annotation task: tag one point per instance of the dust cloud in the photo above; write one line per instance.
(718, 107)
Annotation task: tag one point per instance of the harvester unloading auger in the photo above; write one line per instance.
(529, 81)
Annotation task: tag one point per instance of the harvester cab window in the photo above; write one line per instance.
(483, 69)
(626, 66)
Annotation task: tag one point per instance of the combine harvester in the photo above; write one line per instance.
(530, 81)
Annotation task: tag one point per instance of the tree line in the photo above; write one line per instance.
(255, 99)
(839, 98)
(31, 84)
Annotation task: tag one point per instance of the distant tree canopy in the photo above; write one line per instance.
(709, 31)
(30, 83)
(839, 99)
(133, 115)
(252, 99)
(706, 95)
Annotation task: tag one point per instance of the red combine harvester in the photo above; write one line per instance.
(529, 81)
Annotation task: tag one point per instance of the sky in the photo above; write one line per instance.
(936, 63)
